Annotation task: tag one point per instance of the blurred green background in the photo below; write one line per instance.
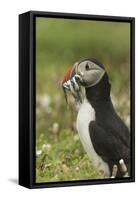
(59, 44)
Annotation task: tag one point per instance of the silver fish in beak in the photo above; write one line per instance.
(72, 83)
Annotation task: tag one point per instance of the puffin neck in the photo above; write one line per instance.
(99, 92)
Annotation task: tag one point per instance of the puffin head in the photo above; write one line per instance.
(86, 73)
(90, 71)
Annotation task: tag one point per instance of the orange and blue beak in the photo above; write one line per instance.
(69, 74)
(71, 83)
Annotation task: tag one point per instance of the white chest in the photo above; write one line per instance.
(85, 115)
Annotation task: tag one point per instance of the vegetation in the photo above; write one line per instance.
(60, 43)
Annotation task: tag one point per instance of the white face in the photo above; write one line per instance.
(90, 73)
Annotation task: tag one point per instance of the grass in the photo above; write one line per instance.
(60, 43)
(63, 159)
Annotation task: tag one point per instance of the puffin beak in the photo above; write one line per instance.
(71, 82)
(69, 74)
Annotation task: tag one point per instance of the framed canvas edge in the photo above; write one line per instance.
(24, 134)
(32, 85)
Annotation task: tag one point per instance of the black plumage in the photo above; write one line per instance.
(109, 134)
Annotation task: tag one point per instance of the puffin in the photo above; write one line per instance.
(103, 134)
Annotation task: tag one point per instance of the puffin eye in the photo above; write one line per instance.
(87, 67)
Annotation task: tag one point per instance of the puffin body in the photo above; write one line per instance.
(86, 115)
(104, 135)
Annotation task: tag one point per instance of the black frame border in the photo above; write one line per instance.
(27, 97)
